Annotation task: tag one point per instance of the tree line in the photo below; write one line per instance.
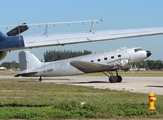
(151, 64)
(64, 54)
(60, 55)
(10, 65)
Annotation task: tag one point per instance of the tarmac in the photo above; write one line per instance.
(132, 84)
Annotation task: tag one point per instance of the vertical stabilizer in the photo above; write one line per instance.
(2, 36)
(27, 60)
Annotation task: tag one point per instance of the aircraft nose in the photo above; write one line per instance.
(148, 53)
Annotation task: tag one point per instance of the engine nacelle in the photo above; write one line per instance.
(2, 54)
(125, 64)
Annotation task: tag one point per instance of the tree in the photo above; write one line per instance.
(158, 64)
(60, 55)
(6, 64)
(14, 65)
(10, 65)
(151, 64)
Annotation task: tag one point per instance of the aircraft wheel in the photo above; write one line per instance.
(40, 79)
(119, 78)
(112, 79)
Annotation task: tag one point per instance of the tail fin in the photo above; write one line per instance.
(27, 60)
(2, 36)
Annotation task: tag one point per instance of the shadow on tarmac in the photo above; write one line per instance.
(158, 86)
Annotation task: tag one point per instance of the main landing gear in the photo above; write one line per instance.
(112, 78)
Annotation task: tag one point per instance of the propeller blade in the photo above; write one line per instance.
(131, 66)
(135, 68)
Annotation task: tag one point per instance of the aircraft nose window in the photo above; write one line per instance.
(139, 49)
(135, 50)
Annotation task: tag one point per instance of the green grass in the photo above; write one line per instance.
(25, 99)
(8, 73)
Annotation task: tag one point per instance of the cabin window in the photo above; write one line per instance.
(92, 60)
(105, 58)
(119, 55)
(112, 57)
(98, 60)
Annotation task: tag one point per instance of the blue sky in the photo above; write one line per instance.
(117, 14)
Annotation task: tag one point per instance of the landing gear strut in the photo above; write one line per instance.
(112, 78)
(40, 79)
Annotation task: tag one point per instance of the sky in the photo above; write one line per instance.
(116, 14)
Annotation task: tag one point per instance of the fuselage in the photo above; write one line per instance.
(122, 58)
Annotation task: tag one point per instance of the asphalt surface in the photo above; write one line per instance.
(132, 84)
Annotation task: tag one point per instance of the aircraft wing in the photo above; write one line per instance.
(12, 42)
(72, 38)
(88, 67)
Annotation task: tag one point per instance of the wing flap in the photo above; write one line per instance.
(88, 67)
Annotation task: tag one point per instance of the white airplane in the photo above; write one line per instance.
(14, 41)
(120, 59)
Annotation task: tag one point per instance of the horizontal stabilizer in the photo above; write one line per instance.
(31, 74)
(88, 67)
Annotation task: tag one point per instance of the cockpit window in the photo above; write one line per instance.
(138, 49)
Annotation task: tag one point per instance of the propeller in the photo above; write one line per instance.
(17, 30)
(134, 68)
(132, 65)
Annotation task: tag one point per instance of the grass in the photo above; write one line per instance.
(25, 99)
(8, 73)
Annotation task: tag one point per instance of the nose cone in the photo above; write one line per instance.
(148, 53)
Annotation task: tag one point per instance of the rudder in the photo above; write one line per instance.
(27, 60)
